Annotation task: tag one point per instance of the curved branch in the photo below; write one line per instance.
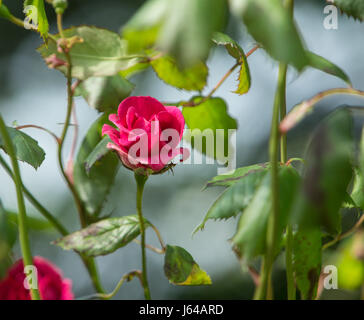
(302, 109)
(58, 140)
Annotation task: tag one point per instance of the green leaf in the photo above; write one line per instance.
(188, 27)
(349, 262)
(105, 93)
(26, 148)
(135, 69)
(101, 53)
(272, 26)
(236, 198)
(97, 153)
(228, 179)
(141, 31)
(40, 14)
(33, 223)
(307, 261)
(231, 45)
(244, 79)
(4, 12)
(8, 230)
(356, 198)
(238, 53)
(190, 78)
(320, 63)
(211, 114)
(103, 237)
(353, 8)
(327, 175)
(94, 187)
(181, 269)
(357, 193)
(250, 239)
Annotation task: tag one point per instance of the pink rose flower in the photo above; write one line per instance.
(51, 284)
(148, 133)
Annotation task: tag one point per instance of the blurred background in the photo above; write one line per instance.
(30, 93)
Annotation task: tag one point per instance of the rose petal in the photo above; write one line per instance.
(177, 113)
(146, 107)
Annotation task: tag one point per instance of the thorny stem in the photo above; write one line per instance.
(22, 225)
(140, 181)
(222, 80)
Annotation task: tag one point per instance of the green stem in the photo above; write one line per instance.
(56, 224)
(265, 289)
(140, 181)
(272, 232)
(291, 290)
(91, 267)
(77, 200)
(23, 233)
(59, 25)
(260, 292)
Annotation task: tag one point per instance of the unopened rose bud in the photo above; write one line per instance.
(59, 6)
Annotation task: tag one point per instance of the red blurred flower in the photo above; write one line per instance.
(52, 285)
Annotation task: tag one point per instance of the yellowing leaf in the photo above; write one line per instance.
(181, 269)
(197, 277)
